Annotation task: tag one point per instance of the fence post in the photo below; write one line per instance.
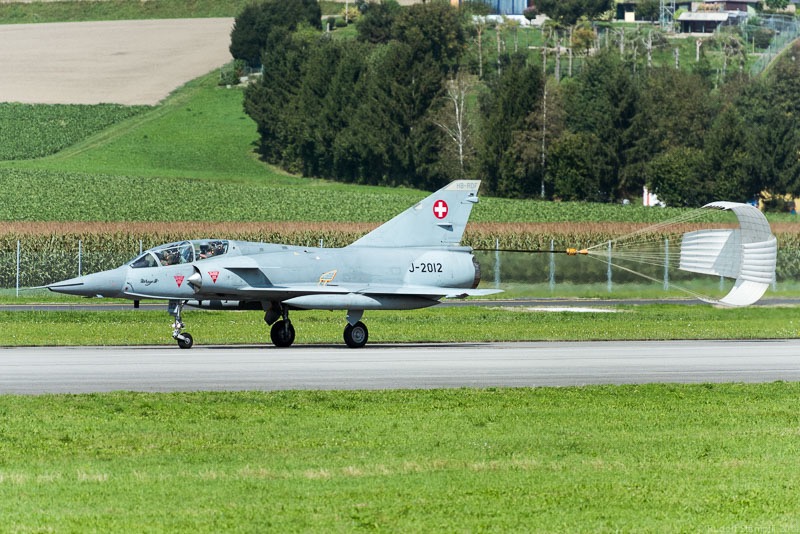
(608, 273)
(552, 265)
(666, 264)
(18, 261)
(80, 252)
(497, 262)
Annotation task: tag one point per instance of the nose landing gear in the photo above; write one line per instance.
(184, 339)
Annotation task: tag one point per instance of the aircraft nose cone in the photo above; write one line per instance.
(102, 284)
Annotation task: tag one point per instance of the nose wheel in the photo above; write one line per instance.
(184, 339)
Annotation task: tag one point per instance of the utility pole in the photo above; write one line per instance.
(544, 113)
(544, 106)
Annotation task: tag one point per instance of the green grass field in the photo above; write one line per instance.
(79, 11)
(461, 324)
(655, 458)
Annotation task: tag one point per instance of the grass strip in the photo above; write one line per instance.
(82, 11)
(654, 458)
(459, 324)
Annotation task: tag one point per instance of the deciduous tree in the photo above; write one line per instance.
(435, 30)
(679, 176)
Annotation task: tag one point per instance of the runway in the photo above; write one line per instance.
(162, 369)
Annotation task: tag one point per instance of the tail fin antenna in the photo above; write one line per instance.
(436, 221)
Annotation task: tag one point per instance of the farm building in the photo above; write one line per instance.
(709, 21)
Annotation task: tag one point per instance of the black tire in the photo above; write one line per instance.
(185, 341)
(356, 336)
(282, 334)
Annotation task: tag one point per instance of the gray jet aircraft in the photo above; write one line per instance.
(410, 262)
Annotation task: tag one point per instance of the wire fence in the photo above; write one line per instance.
(30, 267)
(785, 29)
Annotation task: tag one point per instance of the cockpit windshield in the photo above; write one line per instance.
(145, 260)
(210, 249)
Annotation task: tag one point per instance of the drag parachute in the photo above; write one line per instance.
(748, 254)
(743, 250)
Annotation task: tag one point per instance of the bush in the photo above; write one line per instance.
(777, 204)
(231, 74)
(762, 37)
(351, 14)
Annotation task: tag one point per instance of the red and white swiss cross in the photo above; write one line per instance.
(440, 209)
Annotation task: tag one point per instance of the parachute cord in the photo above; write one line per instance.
(695, 294)
(680, 219)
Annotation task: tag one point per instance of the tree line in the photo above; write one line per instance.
(413, 100)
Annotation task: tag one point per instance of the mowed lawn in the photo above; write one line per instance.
(655, 458)
(453, 324)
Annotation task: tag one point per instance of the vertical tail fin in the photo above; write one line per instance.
(436, 221)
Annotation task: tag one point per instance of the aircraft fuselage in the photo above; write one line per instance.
(248, 268)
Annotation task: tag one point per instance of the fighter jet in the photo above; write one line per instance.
(413, 261)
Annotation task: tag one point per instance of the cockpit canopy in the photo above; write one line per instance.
(182, 252)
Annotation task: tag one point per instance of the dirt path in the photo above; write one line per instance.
(124, 62)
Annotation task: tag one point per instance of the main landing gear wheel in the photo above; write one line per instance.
(356, 335)
(282, 333)
(185, 340)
